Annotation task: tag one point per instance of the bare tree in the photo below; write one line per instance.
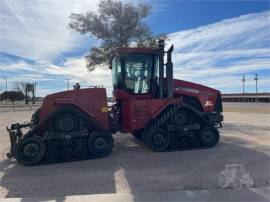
(116, 24)
(20, 86)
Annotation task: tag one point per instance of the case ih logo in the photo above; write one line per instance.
(235, 176)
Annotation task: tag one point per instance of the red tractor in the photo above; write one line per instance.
(165, 113)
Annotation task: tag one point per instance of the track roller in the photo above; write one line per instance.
(159, 140)
(209, 136)
(66, 153)
(80, 152)
(52, 155)
(100, 143)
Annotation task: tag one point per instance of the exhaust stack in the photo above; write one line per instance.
(161, 66)
(169, 73)
(169, 70)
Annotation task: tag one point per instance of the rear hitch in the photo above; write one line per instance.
(15, 135)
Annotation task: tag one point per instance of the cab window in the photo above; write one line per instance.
(138, 70)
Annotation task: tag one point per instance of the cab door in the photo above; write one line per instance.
(138, 70)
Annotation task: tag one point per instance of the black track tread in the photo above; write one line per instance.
(158, 122)
(88, 122)
(162, 119)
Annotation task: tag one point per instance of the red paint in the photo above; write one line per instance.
(89, 100)
(204, 93)
(138, 110)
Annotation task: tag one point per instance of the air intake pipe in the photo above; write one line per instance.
(169, 73)
(161, 66)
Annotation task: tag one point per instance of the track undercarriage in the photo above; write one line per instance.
(179, 128)
(67, 138)
(70, 138)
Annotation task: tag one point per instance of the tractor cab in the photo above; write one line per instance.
(136, 71)
(139, 84)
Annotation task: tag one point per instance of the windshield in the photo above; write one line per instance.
(133, 72)
(138, 68)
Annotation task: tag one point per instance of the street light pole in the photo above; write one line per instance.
(256, 80)
(6, 82)
(68, 83)
(243, 80)
(6, 85)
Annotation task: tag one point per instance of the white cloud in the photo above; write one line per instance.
(219, 54)
(38, 29)
(47, 74)
(215, 55)
(235, 33)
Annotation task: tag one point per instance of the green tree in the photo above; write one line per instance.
(12, 96)
(116, 24)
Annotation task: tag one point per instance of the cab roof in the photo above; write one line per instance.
(135, 50)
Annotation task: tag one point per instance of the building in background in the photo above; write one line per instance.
(249, 97)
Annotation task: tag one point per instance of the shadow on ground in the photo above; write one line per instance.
(132, 168)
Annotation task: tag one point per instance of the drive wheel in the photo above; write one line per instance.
(66, 122)
(100, 143)
(159, 140)
(66, 153)
(80, 152)
(209, 136)
(52, 155)
(179, 118)
(30, 150)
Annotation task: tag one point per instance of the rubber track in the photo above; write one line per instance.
(88, 157)
(85, 117)
(158, 122)
(176, 142)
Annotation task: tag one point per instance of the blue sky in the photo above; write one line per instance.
(194, 13)
(216, 42)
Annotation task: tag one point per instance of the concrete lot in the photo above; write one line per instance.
(132, 168)
(250, 107)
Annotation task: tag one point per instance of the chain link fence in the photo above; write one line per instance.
(19, 107)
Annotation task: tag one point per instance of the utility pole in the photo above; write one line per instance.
(6, 85)
(243, 80)
(34, 93)
(67, 83)
(6, 82)
(256, 80)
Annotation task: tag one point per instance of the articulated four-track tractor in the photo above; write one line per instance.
(165, 113)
